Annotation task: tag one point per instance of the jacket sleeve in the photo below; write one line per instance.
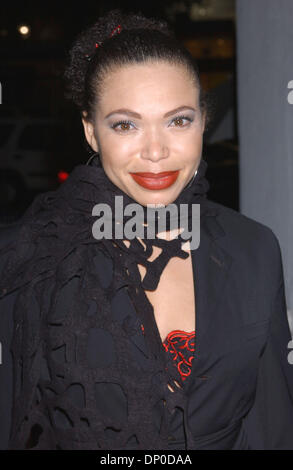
(269, 423)
(23, 423)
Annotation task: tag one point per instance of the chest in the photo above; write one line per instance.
(174, 299)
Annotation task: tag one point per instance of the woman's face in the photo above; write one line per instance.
(156, 136)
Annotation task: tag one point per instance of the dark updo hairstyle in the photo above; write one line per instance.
(141, 39)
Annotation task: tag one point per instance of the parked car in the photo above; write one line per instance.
(33, 151)
(28, 150)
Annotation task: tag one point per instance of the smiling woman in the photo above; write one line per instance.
(158, 139)
(143, 342)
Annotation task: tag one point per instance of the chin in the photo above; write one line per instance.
(158, 199)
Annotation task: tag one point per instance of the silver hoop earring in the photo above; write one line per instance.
(96, 154)
(192, 179)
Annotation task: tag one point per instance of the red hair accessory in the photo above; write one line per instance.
(117, 30)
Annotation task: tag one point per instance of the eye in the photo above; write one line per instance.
(180, 119)
(124, 125)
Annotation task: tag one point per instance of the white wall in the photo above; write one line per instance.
(264, 69)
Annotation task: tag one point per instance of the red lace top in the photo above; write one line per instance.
(181, 344)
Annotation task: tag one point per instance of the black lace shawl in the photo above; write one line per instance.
(54, 245)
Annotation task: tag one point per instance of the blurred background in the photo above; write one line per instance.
(41, 137)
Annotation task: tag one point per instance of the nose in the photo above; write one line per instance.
(154, 149)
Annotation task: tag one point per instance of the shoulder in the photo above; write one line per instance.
(245, 234)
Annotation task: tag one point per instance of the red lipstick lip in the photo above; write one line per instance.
(154, 175)
(155, 181)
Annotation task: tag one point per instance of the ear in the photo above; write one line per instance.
(89, 133)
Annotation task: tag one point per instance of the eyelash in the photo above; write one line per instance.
(118, 123)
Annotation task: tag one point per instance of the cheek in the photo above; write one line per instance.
(116, 162)
(119, 150)
(190, 146)
(198, 141)
(115, 152)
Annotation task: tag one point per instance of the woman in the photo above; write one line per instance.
(144, 342)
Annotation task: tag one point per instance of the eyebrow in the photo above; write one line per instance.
(138, 116)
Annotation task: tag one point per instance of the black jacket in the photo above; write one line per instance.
(241, 386)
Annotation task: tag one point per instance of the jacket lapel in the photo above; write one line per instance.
(211, 265)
